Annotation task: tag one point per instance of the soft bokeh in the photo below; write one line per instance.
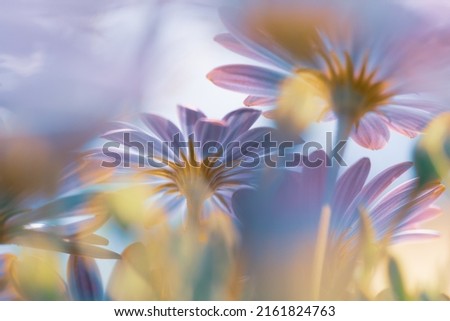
(69, 68)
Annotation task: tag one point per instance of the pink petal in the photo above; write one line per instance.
(371, 132)
(406, 121)
(247, 79)
(414, 235)
(424, 105)
(422, 216)
(251, 101)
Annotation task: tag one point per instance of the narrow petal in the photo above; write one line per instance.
(162, 127)
(84, 279)
(94, 239)
(118, 157)
(349, 185)
(209, 130)
(373, 189)
(406, 121)
(414, 235)
(188, 118)
(421, 216)
(396, 201)
(424, 105)
(371, 132)
(251, 139)
(131, 138)
(252, 101)
(239, 121)
(247, 79)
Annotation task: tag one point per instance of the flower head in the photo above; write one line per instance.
(282, 218)
(362, 63)
(199, 166)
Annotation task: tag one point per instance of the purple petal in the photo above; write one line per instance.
(239, 121)
(210, 131)
(131, 158)
(383, 180)
(406, 121)
(251, 101)
(137, 140)
(427, 106)
(188, 118)
(115, 125)
(84, 279)
(373, 189)
(394, 202)
(162, 127)
(371, 132)
(247, 79)
(349, 185)
(253, 136)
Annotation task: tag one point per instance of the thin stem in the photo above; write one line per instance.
(194, 210)
(320, 252)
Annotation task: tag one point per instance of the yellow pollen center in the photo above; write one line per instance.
(350, 93)
(196, 180)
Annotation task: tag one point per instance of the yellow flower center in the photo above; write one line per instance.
(354, 92)
(196, 180)
(350, 93)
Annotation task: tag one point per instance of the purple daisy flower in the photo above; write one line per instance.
(288, 227)
(190, 178)
(298, 198)
(374, 65)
